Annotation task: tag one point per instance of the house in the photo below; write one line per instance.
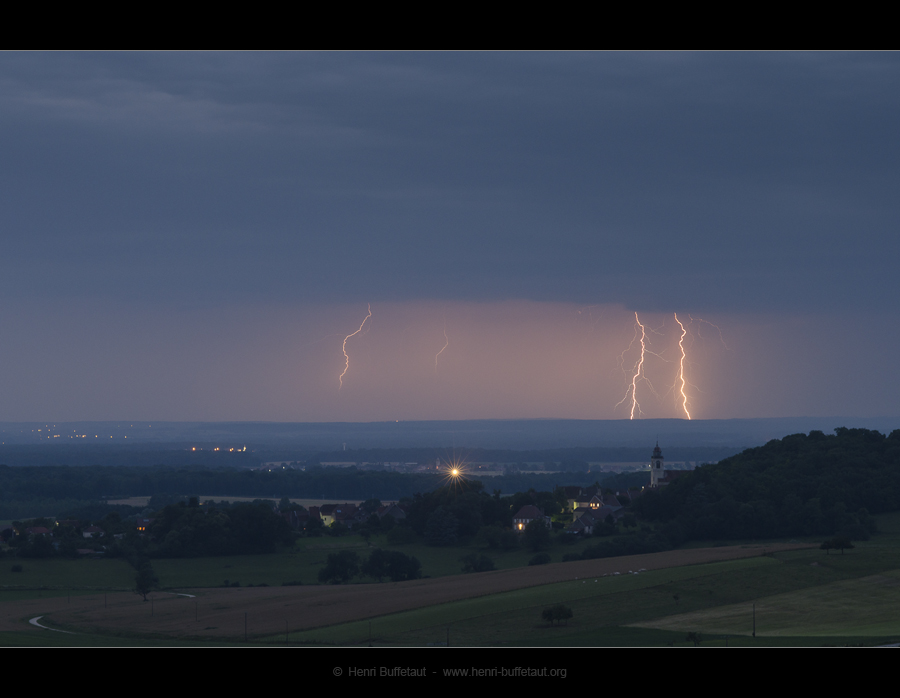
(526, 515)
(37, 531)
(338, 513)
(588, 500)
(589, 519)
(393, 510)
(143, 525)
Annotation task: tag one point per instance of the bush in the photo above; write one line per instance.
(476, 563)
(16, 568)
(341, 567)
(557, 613)
(539, 559)
(393, 564)
(537, 535)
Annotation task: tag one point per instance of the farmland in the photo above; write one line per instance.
(219, 613)
(773, 577)
(802, 596)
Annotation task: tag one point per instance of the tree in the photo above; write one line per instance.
(441, 528)
(36, 546)
(314, 528)
(837, 543)
(393, 564)
(537, 535)
(145, 581)
(843, 542)
(557, 613)
(371, 506)
(340, 568)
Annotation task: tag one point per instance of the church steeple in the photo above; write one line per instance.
(656, 466)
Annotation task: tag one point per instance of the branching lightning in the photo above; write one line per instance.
(681, 368)
(638, 367)
(721, 338)
(344, 348)
(639, 376)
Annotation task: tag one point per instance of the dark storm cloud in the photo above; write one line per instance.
(748, 182)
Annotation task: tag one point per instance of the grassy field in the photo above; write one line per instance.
(228, 613)
(802, 597)
(301, 564)
(56, 573)
(821, 611)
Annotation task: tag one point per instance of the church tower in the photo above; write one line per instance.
(656, 467)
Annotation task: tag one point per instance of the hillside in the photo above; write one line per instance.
(813, 484)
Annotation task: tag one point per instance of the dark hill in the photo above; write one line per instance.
(813, 484)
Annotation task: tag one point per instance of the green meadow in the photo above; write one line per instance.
(300, 564)
(801, 598)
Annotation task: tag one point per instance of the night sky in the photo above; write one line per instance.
(191, 236)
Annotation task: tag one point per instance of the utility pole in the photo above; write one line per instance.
(754, 619)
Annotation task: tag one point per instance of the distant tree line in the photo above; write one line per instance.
(53, 490)
(573, 459)
(181, 530)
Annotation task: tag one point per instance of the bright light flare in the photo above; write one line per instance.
(454, 473)
(344, 349)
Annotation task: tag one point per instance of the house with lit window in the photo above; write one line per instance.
(526, 515)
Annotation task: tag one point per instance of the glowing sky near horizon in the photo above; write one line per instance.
(193, 236)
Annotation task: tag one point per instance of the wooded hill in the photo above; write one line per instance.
(813, 484)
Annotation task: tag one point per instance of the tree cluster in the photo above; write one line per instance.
(346, 565)
(180, 530)
(557, 613)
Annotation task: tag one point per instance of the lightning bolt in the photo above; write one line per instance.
(638, 367)
(721, 338)
(447, 344)
(344, 348)
(681, 369)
